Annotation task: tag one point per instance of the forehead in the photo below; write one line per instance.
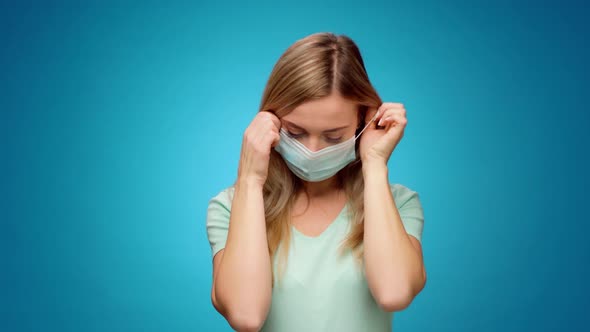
(331, 111)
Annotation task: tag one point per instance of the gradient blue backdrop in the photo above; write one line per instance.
(120, 121)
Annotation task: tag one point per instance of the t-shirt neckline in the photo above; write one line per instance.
(328, 229)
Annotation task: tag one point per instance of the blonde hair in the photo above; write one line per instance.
(313, 68)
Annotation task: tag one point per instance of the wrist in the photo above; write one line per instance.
(375, 172)
(374, 166)
(249, 183)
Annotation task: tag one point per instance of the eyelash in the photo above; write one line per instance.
(328, 139)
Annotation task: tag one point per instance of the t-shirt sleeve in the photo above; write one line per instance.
(218, 213)
(410, 210)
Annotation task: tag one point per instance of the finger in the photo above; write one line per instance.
(394, 119)
(390, 112)
(275, 120)
(389, 106)
(386, 106)
(275, 139)
(398, 118)
(396, 110)
(272, 126)
(259, 127)
(262, 118)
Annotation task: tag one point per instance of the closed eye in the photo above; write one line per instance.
(333, 140)
(294, 135)
(327, 139)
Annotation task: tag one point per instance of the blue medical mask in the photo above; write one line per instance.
(318, 165)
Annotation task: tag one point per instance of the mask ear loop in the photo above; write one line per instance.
(368, 124)
(358, 160)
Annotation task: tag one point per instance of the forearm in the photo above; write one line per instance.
(392, 265)
(243, 285)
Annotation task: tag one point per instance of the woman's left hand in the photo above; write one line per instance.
(378, 144)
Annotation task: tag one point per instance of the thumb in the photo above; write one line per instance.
(275, 141)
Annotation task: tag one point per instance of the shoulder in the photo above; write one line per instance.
(218, 218)
(410, 209)
(219, 207)
(403, 194)
(223, 197)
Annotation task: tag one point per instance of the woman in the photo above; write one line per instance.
(312, 237)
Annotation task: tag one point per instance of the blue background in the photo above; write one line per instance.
(120, 121)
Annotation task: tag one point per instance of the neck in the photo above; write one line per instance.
(321, 188)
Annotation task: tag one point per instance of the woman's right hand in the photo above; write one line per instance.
(261, 135)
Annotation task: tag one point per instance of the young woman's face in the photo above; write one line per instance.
(321, 123)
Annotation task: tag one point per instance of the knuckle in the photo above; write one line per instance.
(259, 117)
(247, 141)
(266, 115)
(271, 135)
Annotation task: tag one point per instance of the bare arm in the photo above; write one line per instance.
(242, 274)
(393, 259)
(394, 266)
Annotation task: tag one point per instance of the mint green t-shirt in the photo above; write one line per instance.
(320, 290)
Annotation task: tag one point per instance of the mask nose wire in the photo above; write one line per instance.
(367, 126)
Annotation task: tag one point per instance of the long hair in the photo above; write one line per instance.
(310, 69)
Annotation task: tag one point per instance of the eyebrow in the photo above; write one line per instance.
(325, 131)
